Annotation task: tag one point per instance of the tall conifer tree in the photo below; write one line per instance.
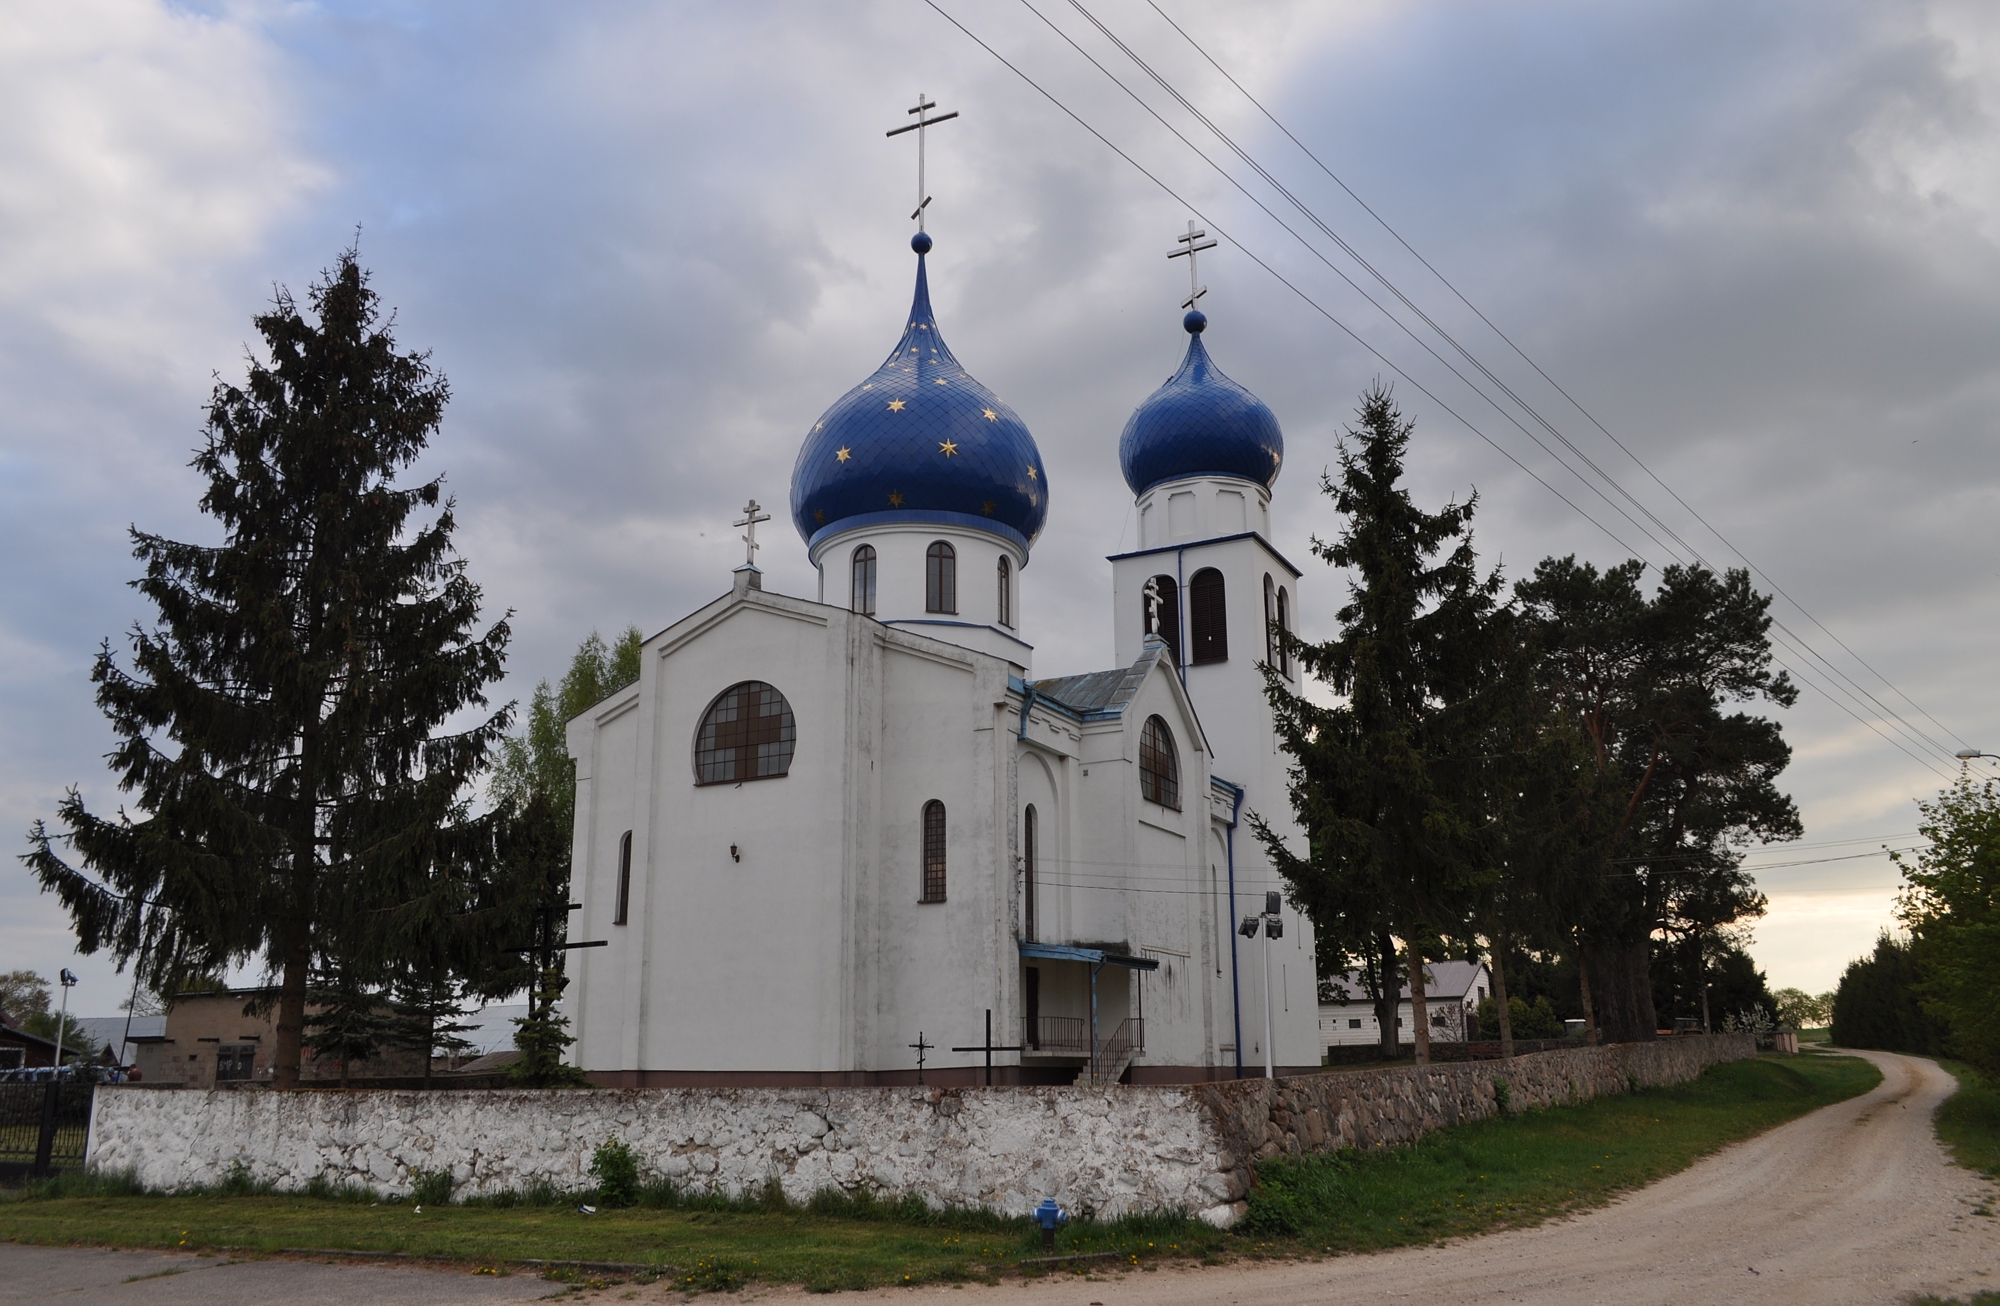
(1384, 781)
(281, 729)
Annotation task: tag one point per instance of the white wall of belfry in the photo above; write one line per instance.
(1110, 1151)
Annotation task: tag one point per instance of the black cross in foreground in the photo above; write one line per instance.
(988, 1047)
(921, 1047)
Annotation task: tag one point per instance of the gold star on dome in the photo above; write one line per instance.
(947, 447)
(939, 381)
(1031, 473)
(991, 416)
(842, 454)
(819, 517)
(987, 507)
(895, 405)
(1275, 457)
(895, 498)
(869, 386)
(818, 428)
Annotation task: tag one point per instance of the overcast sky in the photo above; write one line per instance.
(650, 242)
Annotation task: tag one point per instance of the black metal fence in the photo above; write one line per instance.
(44, 1128)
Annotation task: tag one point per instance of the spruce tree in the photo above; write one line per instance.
(1384, 780)
(298, 800)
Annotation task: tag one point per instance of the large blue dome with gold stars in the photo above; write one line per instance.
(1200, 423)
(920, 441)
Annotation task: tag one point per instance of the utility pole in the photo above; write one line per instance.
(62, 1018)
(1271, 925)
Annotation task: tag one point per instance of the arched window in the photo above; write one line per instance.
(933, 851)
(1270, 621)
(1006, 575)
(746, 734)
(1028, 833)
(863, 600)
(1169, 616)
(1285, 628)
(1159, 765)
(941, 578)
(623, 906)
(1208, 617)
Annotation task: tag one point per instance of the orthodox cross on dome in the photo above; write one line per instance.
(924, 120)
(1190, 245)
(750, 519)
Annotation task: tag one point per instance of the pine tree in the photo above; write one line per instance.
(1384, 780)
(298, 802)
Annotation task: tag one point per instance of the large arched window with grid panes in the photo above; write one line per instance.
(1208, 618)
(1159, 765)
(862, 588)
(933, 851)
(746, 734)
(941, 578)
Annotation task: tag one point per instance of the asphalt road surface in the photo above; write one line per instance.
(1853, 1203)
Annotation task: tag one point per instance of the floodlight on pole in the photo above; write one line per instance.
(62, 1018)
(1270, 924)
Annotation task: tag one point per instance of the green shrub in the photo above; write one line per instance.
(1502, 1095)
(430, 1187)
(616, 1167)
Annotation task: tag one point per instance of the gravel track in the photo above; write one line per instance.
(1856, 1202)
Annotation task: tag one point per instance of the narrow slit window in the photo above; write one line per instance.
(941, 578)
(933, 851)
(1208, 617)
(1028, 905)
(1006, 585)
(622, 908)
(863, 600)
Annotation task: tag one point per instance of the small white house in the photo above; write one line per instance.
(1453, 991)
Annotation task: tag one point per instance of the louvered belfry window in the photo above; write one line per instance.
(1208, 617)
(941, 578)
(1170, 614)
(1159, 765)
(933, 851)
(746, 734)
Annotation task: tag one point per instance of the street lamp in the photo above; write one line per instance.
(1967, 754)
(1272, 926)
(62, 1017)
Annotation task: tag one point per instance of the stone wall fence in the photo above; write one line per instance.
(1113, 1151)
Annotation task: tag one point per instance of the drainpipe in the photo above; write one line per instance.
(1235, 976)
(1027, 703)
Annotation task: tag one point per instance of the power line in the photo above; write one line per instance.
(1539, 371)
(1845, 684)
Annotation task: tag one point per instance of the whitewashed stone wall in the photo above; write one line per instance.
(1114, 1151)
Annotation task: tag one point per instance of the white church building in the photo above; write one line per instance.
(833, 840)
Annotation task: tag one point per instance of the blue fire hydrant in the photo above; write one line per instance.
(1050, 1216)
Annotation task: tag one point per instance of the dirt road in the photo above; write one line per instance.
(1853, 1203)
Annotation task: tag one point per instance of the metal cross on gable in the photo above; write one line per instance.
(1190, 245)
(750, 519)
(924, 120)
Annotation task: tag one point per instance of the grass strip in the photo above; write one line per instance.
(1520, 1170)
(1969, 1121)
(1493, 1174)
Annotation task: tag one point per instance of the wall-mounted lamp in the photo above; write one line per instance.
(734, 854)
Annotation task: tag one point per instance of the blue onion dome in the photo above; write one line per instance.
(1200, 423)
(920, 441)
